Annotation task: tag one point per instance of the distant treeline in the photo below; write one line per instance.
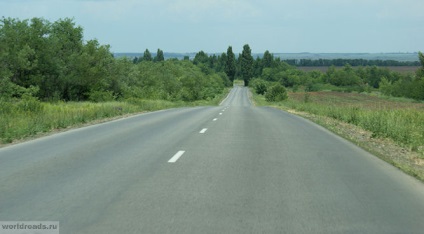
(352, 62)
(268, 71)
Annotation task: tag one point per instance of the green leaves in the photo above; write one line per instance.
(230, 65)
(276, 93)
(159, 56)
(147, 56)
(246, 63)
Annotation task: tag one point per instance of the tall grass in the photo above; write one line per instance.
(19, 120)
(405, 126)
(28, 117)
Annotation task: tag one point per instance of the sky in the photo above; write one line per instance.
(280, 26)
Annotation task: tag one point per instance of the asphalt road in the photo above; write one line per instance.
(234, 168)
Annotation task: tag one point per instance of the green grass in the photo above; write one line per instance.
(400, 121)
(392, 126)
(238, 82)
(26, 118)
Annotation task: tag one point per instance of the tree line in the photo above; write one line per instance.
(268, 71)
(51, 61)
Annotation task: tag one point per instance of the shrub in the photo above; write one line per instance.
(29, 103)
(101, 96)
(259, 86)
(276, 93)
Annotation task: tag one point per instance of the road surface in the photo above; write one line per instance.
(234, 168)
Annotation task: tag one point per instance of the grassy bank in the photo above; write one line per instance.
(28, 118)
(380, 123)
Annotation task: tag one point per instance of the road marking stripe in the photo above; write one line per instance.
(176, 156)
(203, 130)
(215, 119)
(220, 113)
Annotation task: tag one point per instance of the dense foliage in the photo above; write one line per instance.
(347, 78)
(51, 61)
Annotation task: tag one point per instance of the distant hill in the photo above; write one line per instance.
(167, 55)
(368, 56)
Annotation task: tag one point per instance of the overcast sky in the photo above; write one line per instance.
(212, 25)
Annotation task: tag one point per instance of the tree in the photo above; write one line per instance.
(230, 66)
(147, 56)
(267, 59)
(246, 64)
(420, 72)
(201, 57)
(159, 56)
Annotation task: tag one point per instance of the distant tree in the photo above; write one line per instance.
(186, 57)
(257, 67)
(418, 84)
(267, 59)
(159, 56)
(147, 56)
(221, 63)
(246, 64)
(230, 66)
(420, 72)
(201, 57)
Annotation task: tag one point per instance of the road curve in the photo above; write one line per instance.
(234, 168)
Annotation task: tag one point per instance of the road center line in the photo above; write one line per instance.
(203, 130)
(176, 156)
(215, 119)
(220, 113)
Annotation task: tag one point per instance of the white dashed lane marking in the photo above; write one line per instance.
(176, 156)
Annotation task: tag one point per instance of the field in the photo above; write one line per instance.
(400, 69)
(391, 128)
(398, 119)
(365, 101)
(367, 56)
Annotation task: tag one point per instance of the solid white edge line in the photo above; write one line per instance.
(203, 130)
(176, 156)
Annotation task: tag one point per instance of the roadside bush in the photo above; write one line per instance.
(259, 86)
(101, 96)
(276, 93)
(29, 103)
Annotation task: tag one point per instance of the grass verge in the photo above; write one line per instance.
(27, 119)
(390, 130)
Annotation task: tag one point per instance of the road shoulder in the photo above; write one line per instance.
(384, 148)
